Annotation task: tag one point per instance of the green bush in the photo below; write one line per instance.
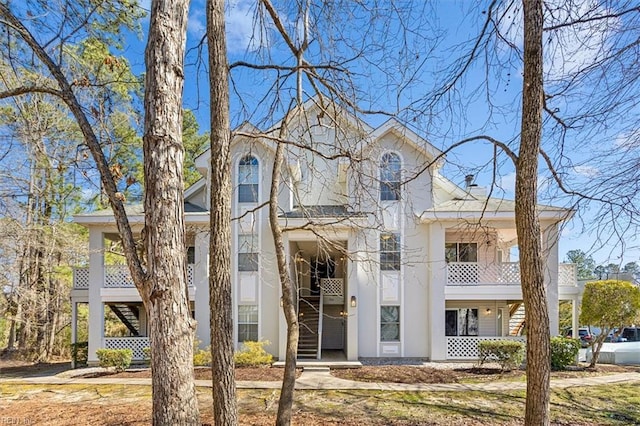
(119, 359)
(253, 354)
(80, 354)
(564, 352)
(508, 353)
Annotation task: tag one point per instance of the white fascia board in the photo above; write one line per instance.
(417, 141)
(199, 218)
(105, 220)
(482, 292)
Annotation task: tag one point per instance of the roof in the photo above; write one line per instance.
(135, 213)
(320, 211)
(487, 208)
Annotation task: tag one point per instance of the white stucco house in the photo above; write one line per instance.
(390, 258)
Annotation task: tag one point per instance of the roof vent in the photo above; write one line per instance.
(468, 179)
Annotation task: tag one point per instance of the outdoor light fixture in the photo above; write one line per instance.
(488, 311)
(281, 302)
(353, 301)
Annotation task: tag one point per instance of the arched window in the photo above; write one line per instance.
(248, 179)
(390, 177)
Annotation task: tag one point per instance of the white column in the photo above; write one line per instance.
(96, 282)
(437, 280)
(353, 272)
(282, 322)
(74, 326)
(550, 254)
(201, 282)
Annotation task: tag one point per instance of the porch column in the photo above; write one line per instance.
(74, 327)
(96, 282)
(550, 253)
(282, 322)
(354, 266)
(437, 280)
(201, 283)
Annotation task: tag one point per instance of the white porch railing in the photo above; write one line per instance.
(115, 276)
(81, 278)
(332, 286)
(136, 344)
(506, 273)
(466, 347)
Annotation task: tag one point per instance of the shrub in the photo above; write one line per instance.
(508, 353)
(79, 354)
(119, 359)
(253, 354)
(146, 355)
(564, 352)
(201, 357)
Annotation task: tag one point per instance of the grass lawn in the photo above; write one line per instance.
(131, 405)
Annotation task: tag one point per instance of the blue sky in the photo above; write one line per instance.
(456, 23)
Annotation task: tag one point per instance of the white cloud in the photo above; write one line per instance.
(240, 26)
(586, 171)
(628, 140)
(508, 183)
(567, 49)
(196, 25)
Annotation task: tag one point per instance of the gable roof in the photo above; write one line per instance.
(419, 143)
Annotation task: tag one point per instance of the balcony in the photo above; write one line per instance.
(500, 274)
(115, 276)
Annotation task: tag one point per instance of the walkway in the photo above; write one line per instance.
(321, 378)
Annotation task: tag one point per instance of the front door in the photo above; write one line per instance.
(321, 268)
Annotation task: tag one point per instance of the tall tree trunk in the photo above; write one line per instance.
(166, 294)
(221, 315)
(288, 295)
(527, 224)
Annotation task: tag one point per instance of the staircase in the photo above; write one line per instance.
(308, 318)
(129, 315)
(516, 319)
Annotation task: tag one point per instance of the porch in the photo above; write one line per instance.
(500, 274)
(115, 276)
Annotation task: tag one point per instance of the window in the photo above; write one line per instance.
(389, 323)
(247, 323)
(248, 179)
(461, 322)
(389, 251)
(390, 177)
(247, 252)
(461, 252)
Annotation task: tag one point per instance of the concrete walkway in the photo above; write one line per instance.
(321, 378)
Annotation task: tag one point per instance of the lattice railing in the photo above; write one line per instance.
(81, 278)
(506, 273)
(136, 344)
(332, 286)
(116, 276)
(472, 273)
(567, 275)
(466, 347)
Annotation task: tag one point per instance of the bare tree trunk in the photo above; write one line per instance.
(166, 295)
(221, 317)
(527, 224)
(288, 295)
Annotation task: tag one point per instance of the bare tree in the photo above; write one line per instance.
(221, 310)
(160, 276)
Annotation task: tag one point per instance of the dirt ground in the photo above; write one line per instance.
(22, 404)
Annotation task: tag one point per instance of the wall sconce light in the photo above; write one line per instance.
(488, 311)
(353, 302)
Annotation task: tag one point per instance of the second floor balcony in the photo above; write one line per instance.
(500, 273)
(115, 276)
